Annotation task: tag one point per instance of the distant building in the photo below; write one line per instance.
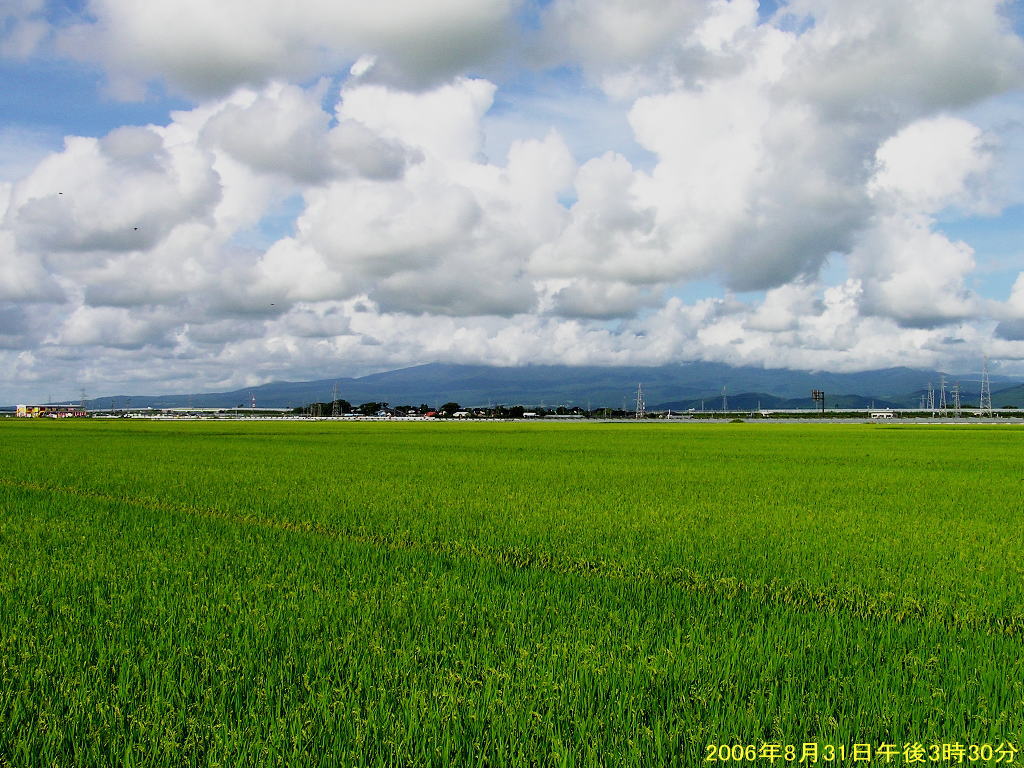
(883, 415)
(49, 411)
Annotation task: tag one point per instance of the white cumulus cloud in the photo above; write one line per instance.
(356, 187)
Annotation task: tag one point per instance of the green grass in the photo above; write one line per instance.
(476, 594)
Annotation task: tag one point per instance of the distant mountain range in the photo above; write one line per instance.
(678, 386)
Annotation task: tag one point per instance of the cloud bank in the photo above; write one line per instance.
(325, 205)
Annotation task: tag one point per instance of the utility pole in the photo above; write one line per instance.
(818, 396)
(725, 401)
(335, 405)
(641, 408)
(956, 400)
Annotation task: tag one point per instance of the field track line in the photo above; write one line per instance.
(797, 595)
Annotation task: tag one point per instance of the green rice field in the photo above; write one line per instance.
(438, 594)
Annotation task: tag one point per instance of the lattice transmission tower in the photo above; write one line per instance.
(985, 402)
(641, 406)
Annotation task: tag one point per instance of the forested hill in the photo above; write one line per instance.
(681, 384)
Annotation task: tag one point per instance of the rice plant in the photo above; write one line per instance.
(202, 594)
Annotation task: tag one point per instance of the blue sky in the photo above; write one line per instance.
(206, 196)
(58, 98)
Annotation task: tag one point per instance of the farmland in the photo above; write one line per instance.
(503, 594)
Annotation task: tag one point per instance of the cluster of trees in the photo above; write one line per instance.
(373, 408)
(449, 409)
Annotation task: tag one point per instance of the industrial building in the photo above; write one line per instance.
(49, 411)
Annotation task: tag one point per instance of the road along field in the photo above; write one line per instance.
(179, 594)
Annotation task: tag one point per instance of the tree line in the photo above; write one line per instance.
(448, 410)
